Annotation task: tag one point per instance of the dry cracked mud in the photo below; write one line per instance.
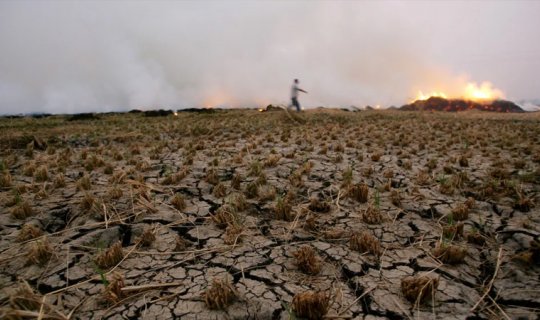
(127, 217)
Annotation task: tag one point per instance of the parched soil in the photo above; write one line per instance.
(270, 215)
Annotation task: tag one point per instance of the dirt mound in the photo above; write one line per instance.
(454, 105)
(83, 116)
(157, 113)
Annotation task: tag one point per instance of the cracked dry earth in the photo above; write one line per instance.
(231, 214)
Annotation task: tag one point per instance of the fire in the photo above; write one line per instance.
(483, 92)
(472, 91)
(422, 96)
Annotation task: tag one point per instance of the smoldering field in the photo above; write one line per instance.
(240, 214)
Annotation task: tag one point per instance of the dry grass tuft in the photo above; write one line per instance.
(317, 205)
(460, 212)
(267, 193)
(113, 291)
(453, 231)
(29, 169)
(470, 203)
(5, 180)
(311, 305)
(395, 198)
(359, 192)
(333, 233)
(40, 253)
(238, 201)
(29, 232)
(233, 234)
(419, 289)
(252, 190)
(41, 174)
(236, 181)
(175, 178)
(365, 242)
(347, 177)
(220, 295)
(147, 237)
(115, 193)
(255, 168)
(307, 260)
(283, 210)
(59, 181)
(22, 210)
(178, 202)
(84, 183)
(376, 156)
(220, 190)
(476, 238)
(118, 177)
(450, 254)
(24, 298)
(111, 256)
(226, 215)
(463, 161)
(423, 178)
(311, 223)
(372, 215)
(87, 202)
(272, 160)
(212, 176)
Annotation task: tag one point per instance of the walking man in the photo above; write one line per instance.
(294, 94)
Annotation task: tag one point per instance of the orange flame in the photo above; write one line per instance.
(484, 92)
(472, 91)
(422, 96)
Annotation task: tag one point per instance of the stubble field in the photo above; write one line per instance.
(242, 214)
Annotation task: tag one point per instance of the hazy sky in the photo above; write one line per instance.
(76, 56)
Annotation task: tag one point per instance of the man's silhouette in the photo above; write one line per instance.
(294, 94)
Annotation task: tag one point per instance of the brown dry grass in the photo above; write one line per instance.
(364, 242)
(24, 298)
(283, 210)
(220, 295)
(372, 215)
(178, 202)
(147, 237)
(453, 231)
(22, 210)
(307, 260)
(460, 212)
(110, 257)
(450, 254)
(29, 232)
(311, 305)
(359, 192)
(419, 289)
(225, 216)
(318, 205)
(112, 292)
(40, 252)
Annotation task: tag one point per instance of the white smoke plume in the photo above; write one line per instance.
(78, 56)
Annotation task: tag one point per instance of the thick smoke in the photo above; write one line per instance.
(100, 56)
